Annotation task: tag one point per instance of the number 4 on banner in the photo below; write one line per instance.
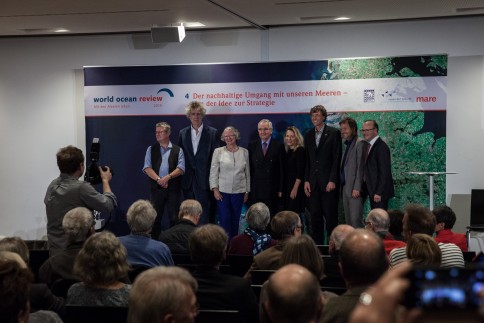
(187, 96)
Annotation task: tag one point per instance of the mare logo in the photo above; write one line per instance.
(426, 99)
(170, 93)
(369, 96)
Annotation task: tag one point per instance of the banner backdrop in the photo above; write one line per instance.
(407, 96)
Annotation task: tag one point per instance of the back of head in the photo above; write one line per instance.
(444, 214)
(69, 159)
(303, 251)
(190, 209)
(258, 216)
(16, 245)
(418, 219)
(207, 245)
(78, 224)
(293, 295)
(283, 224)
(102, 260)
(362, 258)
(159, 292)
(379, 220)
(423, 250)
(338, 235)
(15, 281)
(396, 222)
(140, 216)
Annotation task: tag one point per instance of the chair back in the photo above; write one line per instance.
(61, 286)
(260, 276)
(219, 316)
(95, 314)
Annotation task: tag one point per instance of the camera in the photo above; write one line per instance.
(93, 175)
(444, 288)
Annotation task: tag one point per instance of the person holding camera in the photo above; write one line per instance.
(67, 192)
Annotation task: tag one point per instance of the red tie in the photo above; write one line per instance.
(367, 151)
(264, 147)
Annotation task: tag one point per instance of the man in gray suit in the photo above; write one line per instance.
(198, 142)
(351, 172)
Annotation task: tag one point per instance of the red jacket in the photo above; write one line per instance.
(447, 236)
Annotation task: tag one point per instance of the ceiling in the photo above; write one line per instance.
(44, 17)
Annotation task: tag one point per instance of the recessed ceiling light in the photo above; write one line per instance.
(193, 24)
(342, 18)
(61, 30)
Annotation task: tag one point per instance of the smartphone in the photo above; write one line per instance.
(444, 288)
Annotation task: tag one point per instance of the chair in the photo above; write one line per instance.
(37, 257)
(135, 271)
(219, 316)
(323, 249)
(239, 264)
(468, 255)
(61, 286)
(181, 259)
(260, 276)
(95, 314)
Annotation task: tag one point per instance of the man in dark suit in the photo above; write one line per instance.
(198, 142)
(377, 178)
(265, 168)
(323, 157)
(351, 172)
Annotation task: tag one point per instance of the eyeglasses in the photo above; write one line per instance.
(366, 130)
(367, 223)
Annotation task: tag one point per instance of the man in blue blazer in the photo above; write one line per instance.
(322, 177)
(198, 142)
(377, 177)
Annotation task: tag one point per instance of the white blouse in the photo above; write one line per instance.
(229, 171)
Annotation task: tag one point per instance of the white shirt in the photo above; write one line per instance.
(196, 137)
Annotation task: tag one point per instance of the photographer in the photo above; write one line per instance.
(67, 192)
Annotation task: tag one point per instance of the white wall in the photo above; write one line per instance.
(41, 92)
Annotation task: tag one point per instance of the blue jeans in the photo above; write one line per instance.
(229, 212)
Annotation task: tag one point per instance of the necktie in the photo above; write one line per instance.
(343, 162)
(264, 148)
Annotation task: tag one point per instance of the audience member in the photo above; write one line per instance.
(378, 221)
(362, 261)
(255, 238)
(293, 167)
(423, 250)
(15, 285)
(445, 217)
(78, 225)
(163, 295)
(293, 296)
(265, 167)
(303, 251)
(176, 237)
(331, 266)
(141, 248)
(396, 224)
(284, 225)
(100, 264)
(230, 180)
(418, 219)
(41, 297)
(216, 291)
(67, 192)
(198, 142)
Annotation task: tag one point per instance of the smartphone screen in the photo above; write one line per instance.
(434, 288)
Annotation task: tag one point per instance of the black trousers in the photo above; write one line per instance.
(323, 207)
(161, 197)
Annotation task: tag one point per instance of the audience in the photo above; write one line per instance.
(15, 285)
(176, 237)
(255, 238)
(284, 225)
(445, 218)
(78, 225)
(396, 224)
(331, 266)
(378, 221)
(41, 297)
(423, 250)
(208, 246)
(418, 219)
(293, 296)
(303, 251)
(141, 248)
(362, 261)
(163, 295)
(100, 264)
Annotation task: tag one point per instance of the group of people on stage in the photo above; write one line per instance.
(302, 172)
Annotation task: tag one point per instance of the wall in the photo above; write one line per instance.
(41, 92)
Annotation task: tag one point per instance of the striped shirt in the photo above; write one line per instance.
(451, 256)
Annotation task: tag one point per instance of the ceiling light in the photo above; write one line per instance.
(193, 24)
(61, 30)
(342, 18)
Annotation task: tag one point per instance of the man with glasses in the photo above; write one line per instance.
(164, 165)
(265, 167)
(198, 142)
(377, 175)
(378, 221)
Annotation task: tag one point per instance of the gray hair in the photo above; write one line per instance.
(236, 133)
(380, 219)
(158, 292)
(164, 125)
(339, 234)
(258, 216)
(77, 223)
(190, 208)
(265, 121)
(141, 216)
